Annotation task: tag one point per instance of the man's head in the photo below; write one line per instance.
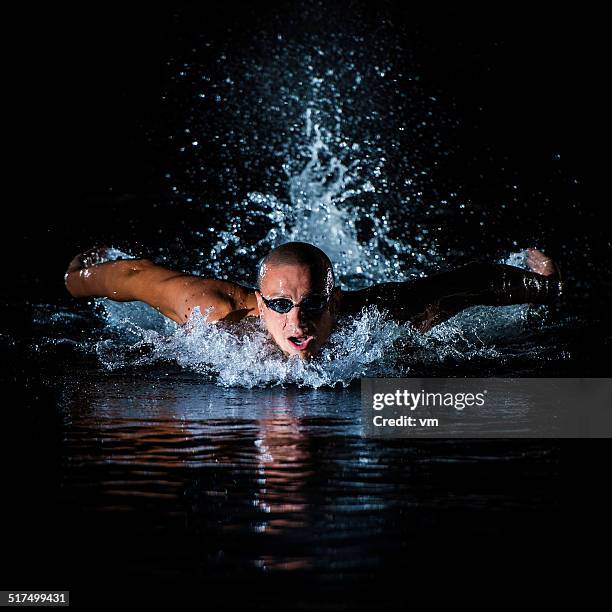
(296, 297)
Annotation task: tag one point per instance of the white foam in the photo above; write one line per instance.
(243, 355)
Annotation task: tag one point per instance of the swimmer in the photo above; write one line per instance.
(297, 299)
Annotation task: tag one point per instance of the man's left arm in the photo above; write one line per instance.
(429, 301)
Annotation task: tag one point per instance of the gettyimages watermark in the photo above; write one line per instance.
(487, 407)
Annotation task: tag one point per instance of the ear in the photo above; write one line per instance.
(260, 304)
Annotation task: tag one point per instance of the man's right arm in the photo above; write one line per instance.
(172, 293)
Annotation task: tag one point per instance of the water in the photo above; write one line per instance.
(198, 460)
(164, 486)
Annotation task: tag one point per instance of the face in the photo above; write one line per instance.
(298, 332)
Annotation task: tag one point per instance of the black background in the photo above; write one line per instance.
(84, 86)
(88, 86)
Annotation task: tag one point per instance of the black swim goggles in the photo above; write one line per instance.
(312, 304)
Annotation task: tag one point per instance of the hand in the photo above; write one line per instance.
(541, 264)
(88, 258)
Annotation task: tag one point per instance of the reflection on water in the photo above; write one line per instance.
(184, 478)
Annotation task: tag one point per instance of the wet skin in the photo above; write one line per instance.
(424, 302)
(312, 329)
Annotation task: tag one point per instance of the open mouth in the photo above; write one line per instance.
(300, 343)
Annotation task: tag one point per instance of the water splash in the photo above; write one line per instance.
(354, 135)
(322, 207)
(348, 123)
(243, 355)
(319, 209)
(134, 336)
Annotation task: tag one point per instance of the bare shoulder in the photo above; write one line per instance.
(225, 300)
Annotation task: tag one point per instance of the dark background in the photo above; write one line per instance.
(526, 86)
(85, 92)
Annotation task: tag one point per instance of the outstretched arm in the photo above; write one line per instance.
(429, 301)
(172, 293)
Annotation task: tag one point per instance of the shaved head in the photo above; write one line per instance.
(298, 254)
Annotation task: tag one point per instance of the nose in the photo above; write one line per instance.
(296, 319)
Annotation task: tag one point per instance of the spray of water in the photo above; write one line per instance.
(370, 344)
(341, 136)
(322, 207)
